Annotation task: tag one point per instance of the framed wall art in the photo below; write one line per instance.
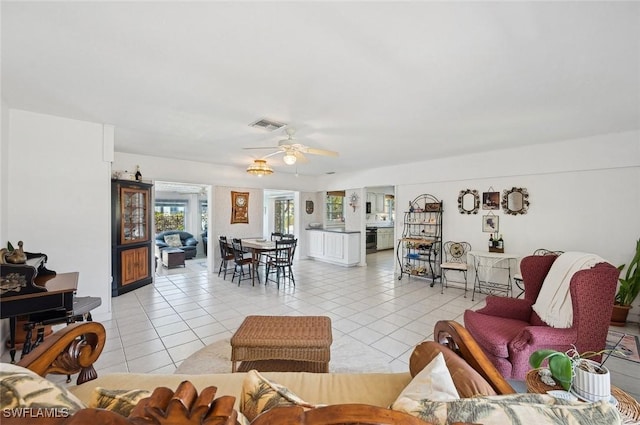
(490, 223)
(239, 207)
(490, 200)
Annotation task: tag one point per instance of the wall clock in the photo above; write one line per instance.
(239, 207)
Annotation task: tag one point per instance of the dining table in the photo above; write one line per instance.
(257, 247)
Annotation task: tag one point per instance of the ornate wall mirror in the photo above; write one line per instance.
(309, 207)
(468, 201)
(515, 200)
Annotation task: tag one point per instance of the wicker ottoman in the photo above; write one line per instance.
(282, 343)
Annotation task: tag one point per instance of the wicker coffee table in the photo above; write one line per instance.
(282, 343)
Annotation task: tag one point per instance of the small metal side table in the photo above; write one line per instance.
(493, 272)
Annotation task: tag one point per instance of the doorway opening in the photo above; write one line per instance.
(183, 207)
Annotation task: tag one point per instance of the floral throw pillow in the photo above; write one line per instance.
(517, 409)
(22, 389)
(173, 240)
(119, 401)
(260, 394)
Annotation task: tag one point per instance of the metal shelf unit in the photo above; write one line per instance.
(420, 247)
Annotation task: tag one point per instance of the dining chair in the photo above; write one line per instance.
(240, 261)
(282, 260)
(288, 236)
(276, 236)
(455, 260)
(226, 255)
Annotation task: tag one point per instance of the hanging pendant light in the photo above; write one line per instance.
(259, 168)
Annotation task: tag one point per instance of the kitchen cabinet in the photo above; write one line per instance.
(336, 247)
(316, 243)
(377, 202)
(385, 238)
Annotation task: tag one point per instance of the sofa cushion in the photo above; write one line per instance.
(173, 240)
(260, 394)
(22, 388)
(516, 409)
(468, 382)
(433, 382)
(316, 388)
(119, 401)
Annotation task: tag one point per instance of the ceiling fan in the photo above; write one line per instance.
(294, 151)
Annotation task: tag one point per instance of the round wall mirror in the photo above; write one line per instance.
(515, 200)
(468, 201)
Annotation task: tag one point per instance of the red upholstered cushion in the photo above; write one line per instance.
(468, 382)
(493, 333)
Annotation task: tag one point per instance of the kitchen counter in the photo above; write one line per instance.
(337, 230)
(337, 246)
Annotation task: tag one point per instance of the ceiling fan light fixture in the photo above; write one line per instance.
(289, 158)
(259, 168)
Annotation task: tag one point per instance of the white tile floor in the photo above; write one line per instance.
(156, 327)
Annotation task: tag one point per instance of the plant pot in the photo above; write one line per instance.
(593, 382)
(619, 315)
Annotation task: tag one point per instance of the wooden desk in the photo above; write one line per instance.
(256, 248)
(485, 264)
(40, 303)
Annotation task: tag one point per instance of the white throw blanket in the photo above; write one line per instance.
(553, 304)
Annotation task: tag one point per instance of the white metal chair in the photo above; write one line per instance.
(517, 278)
(454, 260)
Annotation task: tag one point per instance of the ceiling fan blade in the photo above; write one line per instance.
(272, 154)
(264, 147)
(300, 157)
(324, 152)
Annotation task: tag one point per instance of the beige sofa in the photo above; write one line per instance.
(378, 389)
(351, 398)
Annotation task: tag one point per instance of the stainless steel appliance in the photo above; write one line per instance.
(372, 239)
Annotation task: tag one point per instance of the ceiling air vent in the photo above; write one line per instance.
(267, 124)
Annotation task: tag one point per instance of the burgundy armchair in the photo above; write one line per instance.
(508, 330)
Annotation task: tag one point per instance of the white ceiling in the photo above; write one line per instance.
(380, 82)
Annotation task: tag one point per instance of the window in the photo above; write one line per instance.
(170, 214)
(335, 207)
(283, 216)
(204, 215)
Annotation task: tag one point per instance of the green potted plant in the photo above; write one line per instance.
(628, 290)
(576, 373)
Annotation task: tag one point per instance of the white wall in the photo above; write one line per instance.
(4, 192)
(584, 194)
(58, 197)
(174, 170)
(222, 215)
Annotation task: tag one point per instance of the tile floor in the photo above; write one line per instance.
(156, 327)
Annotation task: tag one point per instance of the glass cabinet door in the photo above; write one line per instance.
(134, 214)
